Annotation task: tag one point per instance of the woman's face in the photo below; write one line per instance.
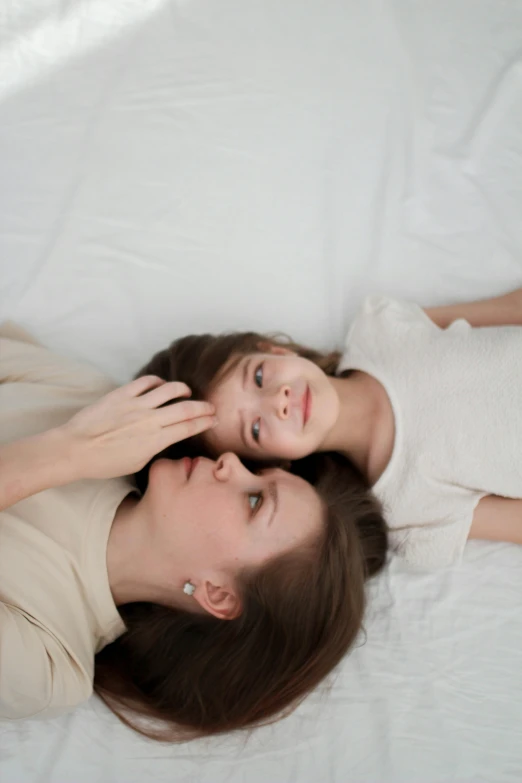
(216, 518)
(273, 405)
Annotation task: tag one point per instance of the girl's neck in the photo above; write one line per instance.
(364, 431)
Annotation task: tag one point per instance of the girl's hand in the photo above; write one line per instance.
(121, 432)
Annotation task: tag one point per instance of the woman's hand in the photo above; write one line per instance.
(121, 432)
(115, 436)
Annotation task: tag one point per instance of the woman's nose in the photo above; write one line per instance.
(227, 465)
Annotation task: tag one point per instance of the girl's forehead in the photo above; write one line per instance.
(234, 365)
(228, 369)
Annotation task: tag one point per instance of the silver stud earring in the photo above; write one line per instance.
(189, 588)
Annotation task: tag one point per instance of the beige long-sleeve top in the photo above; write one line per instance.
(56, 607)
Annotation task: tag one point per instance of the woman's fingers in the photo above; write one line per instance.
(184, 429)
(140, 386)
(165, 393)
(185, 411)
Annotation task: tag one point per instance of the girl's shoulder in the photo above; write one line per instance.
(383, 327)
(381, 310)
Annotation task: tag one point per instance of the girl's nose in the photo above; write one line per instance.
(283, 402)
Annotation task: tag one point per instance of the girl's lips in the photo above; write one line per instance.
(307, 404)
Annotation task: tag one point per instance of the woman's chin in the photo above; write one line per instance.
(167, 472)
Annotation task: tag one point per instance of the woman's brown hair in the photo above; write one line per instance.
(198, 675)
(202, 360)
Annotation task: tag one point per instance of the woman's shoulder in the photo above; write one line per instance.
(38, 676)
(24, 359)
(11, 331)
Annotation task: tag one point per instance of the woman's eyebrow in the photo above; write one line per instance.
(272, 491)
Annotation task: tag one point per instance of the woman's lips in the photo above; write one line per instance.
(189, 464)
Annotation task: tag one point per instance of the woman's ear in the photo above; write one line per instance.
(277, 350)
(223, 602)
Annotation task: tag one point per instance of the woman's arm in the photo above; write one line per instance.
(115, 436)
(33, 464)
(503, 310)
(498, 519)
(37, 676)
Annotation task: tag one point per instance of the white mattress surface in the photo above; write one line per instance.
(169, 166)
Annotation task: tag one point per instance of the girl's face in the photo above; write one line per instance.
(273, 405)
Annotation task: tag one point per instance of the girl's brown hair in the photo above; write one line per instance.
(202, 360)
(302, 611)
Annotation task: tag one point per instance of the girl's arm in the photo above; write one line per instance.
(498, 519)
(115, 436)
(503, 310)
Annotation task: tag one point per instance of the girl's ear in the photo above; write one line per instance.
(277, 350)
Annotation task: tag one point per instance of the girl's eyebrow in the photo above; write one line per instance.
(242, 430)
(246, 365)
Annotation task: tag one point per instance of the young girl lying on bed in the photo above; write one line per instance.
(213, 602)
(427, 404)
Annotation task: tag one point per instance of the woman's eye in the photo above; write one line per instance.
(255, 431)
(258, 376)
(255, 500)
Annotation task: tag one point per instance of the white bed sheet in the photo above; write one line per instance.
(211, 164)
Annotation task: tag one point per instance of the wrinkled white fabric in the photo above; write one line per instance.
(201, 165)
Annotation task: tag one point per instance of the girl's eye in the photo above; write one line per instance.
(255, 431)
(258, 375)
(255, 500)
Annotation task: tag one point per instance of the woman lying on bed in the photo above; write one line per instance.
(214, 601)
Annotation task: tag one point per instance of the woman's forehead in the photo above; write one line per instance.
(291, 484)
(299, 502)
